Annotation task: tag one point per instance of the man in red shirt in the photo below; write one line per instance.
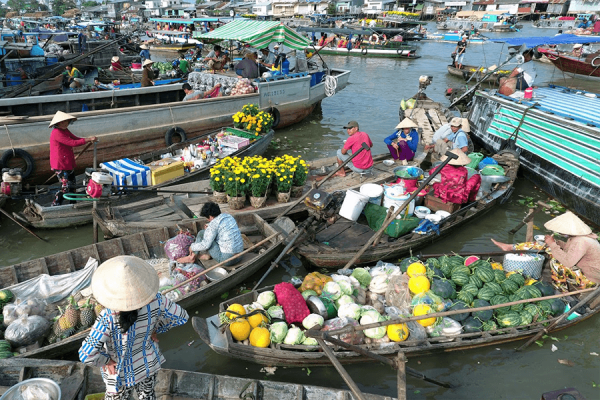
(364, 160)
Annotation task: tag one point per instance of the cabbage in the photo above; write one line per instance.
(365, 309)
(310, 342)
(346, 287)
(254, 306)
(307, 293)
(363, 276)
(345, 299)
(267, 299)
(373, 314)
(276, 312)
(372, 317)
(332, 291)
(349, 310)
(278, 331)
(355, 283)
(294, 336)
(311, 320)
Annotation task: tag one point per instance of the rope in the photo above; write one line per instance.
(172, 118)
(10, 140)
(330, 85)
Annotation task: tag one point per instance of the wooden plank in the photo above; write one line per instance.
(149, 214)
(435, 118)
(332, 231)
(178, 210)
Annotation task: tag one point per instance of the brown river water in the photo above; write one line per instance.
(372, 98)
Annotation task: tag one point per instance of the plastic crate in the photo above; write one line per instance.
(167, 172)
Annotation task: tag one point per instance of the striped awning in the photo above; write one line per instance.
(258, 34)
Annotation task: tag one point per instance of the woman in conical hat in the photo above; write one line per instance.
(123, 339)
(404, 141)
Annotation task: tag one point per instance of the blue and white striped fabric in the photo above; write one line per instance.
(126, 172)
(569, 103)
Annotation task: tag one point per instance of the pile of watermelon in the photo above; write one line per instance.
(472, 283)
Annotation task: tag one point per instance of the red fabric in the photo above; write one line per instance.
(453, 186)
(294, 305)
(62, 142)
(354, 143)
(473, 185)
(116, 66)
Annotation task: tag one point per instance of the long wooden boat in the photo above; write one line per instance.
(575, 67)
(77, 381)
(467, 71)
(146, 245)
(298, 356)
(408, 52)
(554, 24)
(558, 141)
(39, 213)
(134, 121)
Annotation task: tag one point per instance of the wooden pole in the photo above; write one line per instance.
(529, 217)
(401, 378)
(529, 232)
(95, 206)
(21, 225)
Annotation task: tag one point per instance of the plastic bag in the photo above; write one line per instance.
(9, 313)
(179, 246)
(384, 268)
(397, 293)
(416, 331)
(26, 330)
(315, 281)
(31, 307)
(189, 271)
(34, 392)
(446, 327)
(436, 303)
(356, 337)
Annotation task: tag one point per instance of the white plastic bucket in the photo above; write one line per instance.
(392, 197)
(373, 191)
(353, 204)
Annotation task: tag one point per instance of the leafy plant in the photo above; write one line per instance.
(301, 172)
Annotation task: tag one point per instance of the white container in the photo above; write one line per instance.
(353, 205)
(374, 191)
(102, 178)
(421, 212)
(393, 196)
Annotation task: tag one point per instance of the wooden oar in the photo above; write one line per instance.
(585, 300)
(529, 217)
(222, 263)
(375, 238)
(87, 146)
(21, 225)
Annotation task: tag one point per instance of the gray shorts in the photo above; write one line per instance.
(346, 156)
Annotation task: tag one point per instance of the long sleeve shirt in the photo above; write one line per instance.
(580, 251)
(224, 230)
(62, 142)
(412, 143)
(136, 355)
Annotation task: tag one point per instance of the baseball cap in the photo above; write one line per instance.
(351, 124)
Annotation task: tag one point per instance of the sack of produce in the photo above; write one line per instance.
(397, 293)
(26, 330)
(447, 327)
(436, 303)
(9, 314)
(315, 281)
(31, 307)
(357, 337)
(416, 331)
(179, 246)
(294, 305)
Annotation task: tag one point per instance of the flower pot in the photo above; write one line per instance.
(283, 197)
(297, 191)
(220, 197)
(236, 203)
(258, 202)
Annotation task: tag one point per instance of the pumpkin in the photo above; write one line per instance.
(418, 284)
(257, 319)
(240, 329)
(423, 309)
(260, 337)
(416, 269)
(397, 332)
(236, 308)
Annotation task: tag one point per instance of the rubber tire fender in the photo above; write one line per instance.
(445, 26)
(460, 27)
(276, 116)
(364, 51)
(172, 132)
(509, 151)
(19, 153)
(593, 62)
(560, 25)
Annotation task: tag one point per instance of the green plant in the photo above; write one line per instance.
(300, 173)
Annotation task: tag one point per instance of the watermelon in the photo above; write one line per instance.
(558, 307)
(481, 263)
(509, 319)
(485, 293)
(500, 299)
(446, 270)
(476, 281)
(497, 289)
(509, 286)
(486, 274)
(533, 291)
(526, 318)
(518, 279)
(433, 263)
(471, 325)
(545, 306)
(516, 297)
(456, 260)
(532, 310)
(461, 268)
(434, 272)
(471, 288)
(406, 262)
(460, 278)
(470, 260)
(489, 326)
(465, 296)
(482, 315)
(459, 305)
(442, 288)
(545, 288)
(499, 276)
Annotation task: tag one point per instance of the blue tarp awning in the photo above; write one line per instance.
(544, 40)
(172, 20)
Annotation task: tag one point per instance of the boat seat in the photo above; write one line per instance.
(244, 258)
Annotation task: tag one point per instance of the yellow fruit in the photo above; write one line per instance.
(416, 269)
(240, 329)
(423, 309)
(256, 319)
(497, 266)
(418, 284)
(397, 332)
(260, 337)
(236, 308)
(530, 281)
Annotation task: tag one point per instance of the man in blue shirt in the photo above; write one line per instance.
(458, 137)
(449, 138)
(145, 53)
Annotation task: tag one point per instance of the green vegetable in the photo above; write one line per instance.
(294, 336)
(278, 331)
(373, 333)
(545, 288)
(267, 299)
(486, 274)
(460, 278)
(482, 315)
(350, 310)
(442, 288)
(471, 325)
(459, 305)
(346, 287)
(509, 319)
(485, 293)
(345, 299)
(312, 320)
(518, 279)
(362, 276)
(307, 293)
(6, 296)
(332, 291)
(276, 312)
(308, 341)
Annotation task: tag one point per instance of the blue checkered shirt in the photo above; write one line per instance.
(224, 230)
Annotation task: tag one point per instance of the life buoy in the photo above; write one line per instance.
(439, 19)
(399, 52)
(364, 51)
(559, 25)
(172, 132)
(18, 153)
(593, 62)
(536, 24)
(276, 116)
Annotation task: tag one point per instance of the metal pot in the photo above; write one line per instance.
(48, 385)
(322, 306)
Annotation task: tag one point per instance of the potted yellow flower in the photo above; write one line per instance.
(283, 178)
(217, 183)
(300, 170)
(252, 120)
(236, 184)
(260, 179)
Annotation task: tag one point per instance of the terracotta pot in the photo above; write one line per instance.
(220, 197)
(297, 191)
(258, 202)
(283, 197)
(236, 203)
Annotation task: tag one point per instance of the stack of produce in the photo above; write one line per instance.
(75, 318)
(243, 86)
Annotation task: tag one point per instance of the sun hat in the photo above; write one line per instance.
(60, 117)
(125, 283)
(577, 45)
(276, 46)
(462, 159)
(143, 47)
(568, 224)
(114, 59)
(465, 125)
(351, 124)
(406, 123)
(147, 62)
(456, 121)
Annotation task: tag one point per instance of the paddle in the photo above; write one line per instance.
(21, 225)
(87, 146)
(375, 238)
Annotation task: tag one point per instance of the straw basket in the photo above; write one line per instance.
(220, 197)
(236, 203)
(283, 197)
(529, 264)
(258, 202)
(297, 191)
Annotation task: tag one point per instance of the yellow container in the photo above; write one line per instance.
(168, 172)
(95, 396)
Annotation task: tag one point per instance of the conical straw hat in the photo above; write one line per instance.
(114, 59)
(466, 127)
(568, 224)
(60, 117)
(406, 123)
(125, 283)
(146, 62)
(462, 159)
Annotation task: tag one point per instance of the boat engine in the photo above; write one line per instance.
(11, 181)
(424, 81)
(323, 205)
(100, 185)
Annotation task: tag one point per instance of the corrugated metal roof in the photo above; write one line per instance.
(569, 103)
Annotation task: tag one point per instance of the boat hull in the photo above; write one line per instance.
(469, 70)
(576, 67)
(368, 52)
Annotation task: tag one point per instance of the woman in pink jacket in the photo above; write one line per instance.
(62, 159)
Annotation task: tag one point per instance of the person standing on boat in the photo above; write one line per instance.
(461, 48)
(75, 77)
(147, 73)
(404, 141)
(521, 78)
(363, 161)
(581, 250)
(62, 159)
(220, 240)
(82, 41)
(123, 341)
(145, 53)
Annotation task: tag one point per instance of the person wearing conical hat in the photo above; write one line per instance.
(455, 186)
(123, 341)
(115, 64)
(145, 53)
(450, 136)
(404, 141)
(62, 159)
(147, 74)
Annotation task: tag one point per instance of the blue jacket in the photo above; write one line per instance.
(412, 144)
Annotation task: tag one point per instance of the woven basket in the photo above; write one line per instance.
(297, 191)
(283, 197)
(526, 264)
(220, 197)
(258, 202)
(236, 203)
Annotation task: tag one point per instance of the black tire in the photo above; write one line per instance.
(445, 26)
(399, 52)
(276, 117)
(364, 51)
(172, 132)
(560, 25)
(460, 27)
(491, 29)
(18, 153)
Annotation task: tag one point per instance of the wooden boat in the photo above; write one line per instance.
(575, 67)
(172, 41)
(39, 213)
(298, 356)
(365, 50)
(77, 380)
(147, 245)
(554, 24)
(467, 71)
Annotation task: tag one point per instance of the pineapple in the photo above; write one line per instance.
(98, 309)
(72, 314)
(87, 315)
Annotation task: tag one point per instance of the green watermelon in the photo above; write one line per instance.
(406, 262)
(476, 281)
(545, 306)
(518, 279)
(526, 318)
(496, 288)
(486, 274)
(532, 309)
(433, 263)
(470, 260)
(489, 326)
(509, 319)
(481, 263)
(465, 296)
(545, 288)
(485, 293)
(509, 286)
(471, 325)
(471, 288)
(500, 299)
(446, 270)
(516, 297)
(482, 315)
(460, 278)
(434, 272)
(461, 268)
(459, 305)
(457, 260)
(442, 288)
(533, 291)
(499, 276)
(558, 307)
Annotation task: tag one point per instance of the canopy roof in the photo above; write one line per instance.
(258, 34)
(543, 40)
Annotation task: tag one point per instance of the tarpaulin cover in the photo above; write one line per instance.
(544, 40)
(258, 34)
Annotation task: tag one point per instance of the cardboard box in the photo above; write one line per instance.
(436, 204)
(234, 142)
(168, 172)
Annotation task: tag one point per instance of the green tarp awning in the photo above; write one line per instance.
(258, 34)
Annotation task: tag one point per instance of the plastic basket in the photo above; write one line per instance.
(527, 264)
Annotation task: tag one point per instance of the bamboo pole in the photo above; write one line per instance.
(401, 376)
(529, 217)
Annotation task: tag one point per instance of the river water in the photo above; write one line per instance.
(372, 98)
